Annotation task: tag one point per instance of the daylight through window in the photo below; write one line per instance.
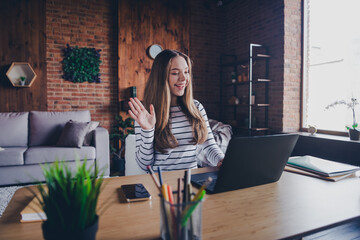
(331, 62)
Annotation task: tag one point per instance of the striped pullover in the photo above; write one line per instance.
(184, 155)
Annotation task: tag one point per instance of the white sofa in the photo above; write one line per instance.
(31, 138)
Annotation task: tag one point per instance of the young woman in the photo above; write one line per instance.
(170, 137)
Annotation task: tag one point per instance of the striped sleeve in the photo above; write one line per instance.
(144, 146)
(212, 151)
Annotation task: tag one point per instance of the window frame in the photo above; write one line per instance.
(304, 46)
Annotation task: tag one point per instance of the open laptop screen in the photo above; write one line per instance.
(251, 161)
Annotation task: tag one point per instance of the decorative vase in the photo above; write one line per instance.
(88, 233)
(22, 83)
(312, 130)
(354, 134)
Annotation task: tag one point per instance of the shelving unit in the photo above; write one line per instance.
(18, 70)
(242, 92)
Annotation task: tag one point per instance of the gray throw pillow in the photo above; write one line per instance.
(73, 134)
(45, 127)
(90, 133)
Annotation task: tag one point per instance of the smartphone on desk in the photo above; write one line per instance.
(135, 192)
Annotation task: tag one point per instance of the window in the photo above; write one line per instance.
(331, 62)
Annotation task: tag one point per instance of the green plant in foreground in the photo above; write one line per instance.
(350, 105)
(69, 199)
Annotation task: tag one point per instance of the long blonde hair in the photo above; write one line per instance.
(157, 92)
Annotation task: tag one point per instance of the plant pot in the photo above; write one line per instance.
(88, 233)
(119, 165)
(354, 134)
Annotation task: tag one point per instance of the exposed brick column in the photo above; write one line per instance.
(292, 65)
(206, 44)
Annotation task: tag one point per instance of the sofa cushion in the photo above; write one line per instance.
(46, 127)
(12, 156)
(14, 129)
(35, 155)
(73, 134)
(28, 174)
(90, 133)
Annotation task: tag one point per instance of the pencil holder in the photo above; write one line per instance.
(181, 221)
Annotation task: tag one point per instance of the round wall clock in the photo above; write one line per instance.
(154, 50)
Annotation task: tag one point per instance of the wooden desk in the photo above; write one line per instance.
(296, 205)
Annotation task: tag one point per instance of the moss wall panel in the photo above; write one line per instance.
(141, 24)
(23, 40)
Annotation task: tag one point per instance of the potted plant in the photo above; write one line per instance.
(22, 80)
(69, 201)
(353, 131)
(121, 129)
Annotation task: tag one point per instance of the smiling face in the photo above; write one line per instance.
(179, 78)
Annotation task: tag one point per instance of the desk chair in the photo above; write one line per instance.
(131, 166)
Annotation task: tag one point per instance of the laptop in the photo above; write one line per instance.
(248, 162)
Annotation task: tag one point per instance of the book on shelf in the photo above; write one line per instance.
(321, 166)
(32, 212)
(288, 168)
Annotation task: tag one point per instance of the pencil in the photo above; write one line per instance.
(166, 208)
(165, 192)
(185, 193)
(179, 191)
(165, 211)
(188, 182)
(187, 213)
(172, 209)
(171, 198)
(208, 181)
(178, 209)
(160, 176)
(156, 180)
(188, 176)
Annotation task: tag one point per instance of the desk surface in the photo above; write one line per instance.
(293, 206)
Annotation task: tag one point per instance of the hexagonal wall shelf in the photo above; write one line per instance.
(21, 70)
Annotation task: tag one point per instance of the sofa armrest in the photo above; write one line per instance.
(101, 142)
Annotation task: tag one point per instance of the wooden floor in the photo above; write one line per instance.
(349, 231)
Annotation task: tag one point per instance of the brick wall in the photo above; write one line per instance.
(306, 60)
(213, 30)
(277, 25)
(259, 22)
(205, 49)
(292, 65)
(83, 23)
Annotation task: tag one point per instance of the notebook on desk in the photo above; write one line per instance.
(250, 161)
(321, 166)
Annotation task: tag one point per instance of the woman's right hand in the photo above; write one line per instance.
(138, 112)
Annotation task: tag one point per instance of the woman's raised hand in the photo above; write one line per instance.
(138, 112)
